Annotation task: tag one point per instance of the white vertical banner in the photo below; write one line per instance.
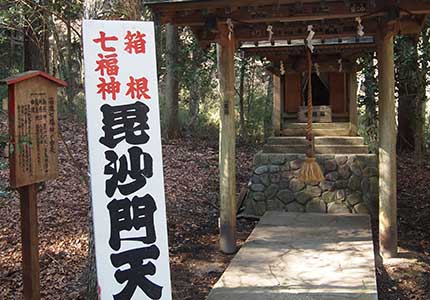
(127, 186)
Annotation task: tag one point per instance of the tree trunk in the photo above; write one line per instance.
(241, 100)
(424, 56)
(369, 119)
(158, 44)
(251, 81)
(91, 273)
(407, 85)
(132, 9)
(195, 88)
(70, 78)
(250, 97)
(406, 115)
(91, 10)
(194, 105)
(268, 109)
(419, 130)
(172, 83)
(36, 43)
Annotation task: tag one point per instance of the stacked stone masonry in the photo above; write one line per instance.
(350, 186)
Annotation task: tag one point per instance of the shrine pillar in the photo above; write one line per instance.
(387, 147)
(352, 89)
(227, 139)
(276, 113)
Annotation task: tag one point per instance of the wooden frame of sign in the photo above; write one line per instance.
(33, 157)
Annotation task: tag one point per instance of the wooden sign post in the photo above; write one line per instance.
(33, 157)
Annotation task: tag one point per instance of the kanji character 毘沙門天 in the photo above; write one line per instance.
(135, 276)
(126, 214)
(120, 170)
(127, 122)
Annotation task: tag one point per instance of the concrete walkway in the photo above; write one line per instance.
(303, 256)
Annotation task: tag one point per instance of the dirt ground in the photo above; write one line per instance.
(409, 276)
(191, 177)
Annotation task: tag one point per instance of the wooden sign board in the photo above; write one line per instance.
(33, 128)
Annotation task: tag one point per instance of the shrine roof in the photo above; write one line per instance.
(288, 19)
(31, 74)
(343, 47)
(327, 43)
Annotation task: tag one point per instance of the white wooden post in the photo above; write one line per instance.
(387, 147)
(353, 116)
(227, 140)
(276, 113)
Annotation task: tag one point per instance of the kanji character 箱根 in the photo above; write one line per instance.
(107, 64)
(120, 170)
(103, 39)
(126, 214)
(127, 122)
(135, 276)
(111, 87)
(135, 42)
(137, 88)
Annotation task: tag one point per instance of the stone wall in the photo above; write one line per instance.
(351, 185)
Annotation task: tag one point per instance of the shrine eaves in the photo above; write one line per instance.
(288, 19)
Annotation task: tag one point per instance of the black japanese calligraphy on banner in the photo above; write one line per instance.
(127, 166)
(136, 275)
(126, 214)
(125, 122)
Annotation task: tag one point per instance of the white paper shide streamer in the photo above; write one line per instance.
(230, 28)
(282, 68)
(270, 31)
(310, 38)
(360, 27)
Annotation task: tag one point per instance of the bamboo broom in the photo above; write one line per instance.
(310, 171)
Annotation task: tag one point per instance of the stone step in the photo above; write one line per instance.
(316, 132)
(331, 125)
(319, 149)
(319, 140)
(310, 256)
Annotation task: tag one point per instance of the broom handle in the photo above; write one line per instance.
(309, 135)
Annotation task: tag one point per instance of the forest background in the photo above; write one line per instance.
(46, 35)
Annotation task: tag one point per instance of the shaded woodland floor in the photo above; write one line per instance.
(409, 276)
(191, 177)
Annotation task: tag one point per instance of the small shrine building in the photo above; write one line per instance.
(355, 181)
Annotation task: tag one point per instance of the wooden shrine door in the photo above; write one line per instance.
(338, 97)
(293, 92)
